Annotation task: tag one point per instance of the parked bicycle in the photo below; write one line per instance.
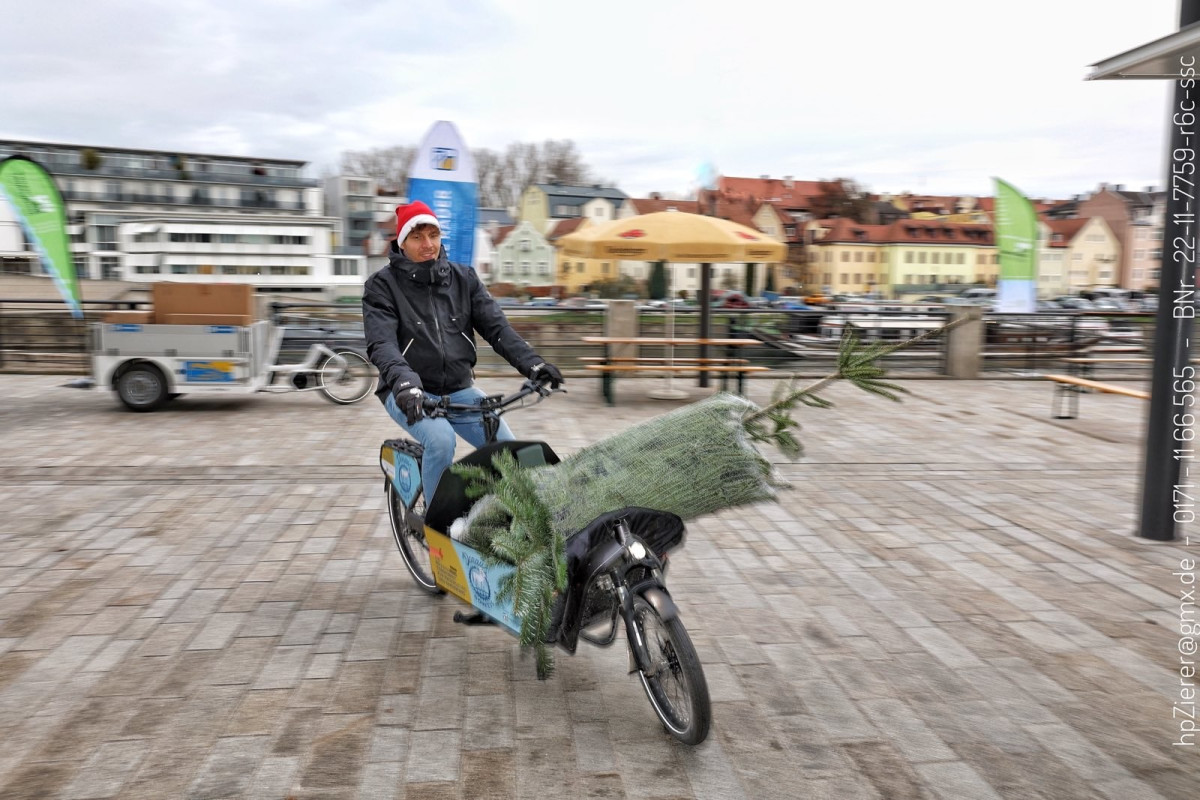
(615, 566)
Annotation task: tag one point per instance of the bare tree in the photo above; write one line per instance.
(501, 177)
(387, 165)
(842, 197)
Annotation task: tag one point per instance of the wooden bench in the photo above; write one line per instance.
(1069, 387)
(645, 360)
(611, 367)
(1086, 366)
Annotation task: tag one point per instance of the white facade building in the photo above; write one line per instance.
(142, 215)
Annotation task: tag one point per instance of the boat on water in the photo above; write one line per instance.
(1051, 335)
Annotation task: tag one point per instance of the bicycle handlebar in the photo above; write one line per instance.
(496, 404)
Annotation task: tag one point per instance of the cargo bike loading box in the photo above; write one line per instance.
(203, 338)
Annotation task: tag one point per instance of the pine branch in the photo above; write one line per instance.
(856, 364)
(529, 543)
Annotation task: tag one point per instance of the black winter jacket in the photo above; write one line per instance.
(421, 320)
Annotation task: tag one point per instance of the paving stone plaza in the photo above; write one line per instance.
(950, 602)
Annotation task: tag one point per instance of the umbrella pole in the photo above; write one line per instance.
(670, 392)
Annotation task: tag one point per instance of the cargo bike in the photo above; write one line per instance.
(615, 566)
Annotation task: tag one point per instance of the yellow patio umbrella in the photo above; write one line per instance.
(675, 236)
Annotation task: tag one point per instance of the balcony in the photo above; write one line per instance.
(193, 176)
(151, 199)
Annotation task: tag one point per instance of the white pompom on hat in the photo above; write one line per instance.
(410, 216)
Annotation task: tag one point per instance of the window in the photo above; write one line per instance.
(871, 257)
(908, 257)
(858, 256)
(921, 257)
(106, 237)
(845, 256)
(543, 268)
(937, 257)
(146, 269)
(110, 268)
(345, 266)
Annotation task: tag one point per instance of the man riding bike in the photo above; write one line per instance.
(421, 314)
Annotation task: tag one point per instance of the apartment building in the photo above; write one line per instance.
(1076, 255)
(150, 215)
(1136, 220)
(907, 257)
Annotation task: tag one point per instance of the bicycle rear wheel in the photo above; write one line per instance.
(346, 381)
(674, 681)
(410, 540)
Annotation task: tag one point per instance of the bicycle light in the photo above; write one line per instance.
(637, 550)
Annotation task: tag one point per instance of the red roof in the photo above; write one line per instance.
(500, 234)
(1062, 231)
(655, 204)
(564, 226)
(988, 204)
(791, 193)
(907, 231)
(845, 230)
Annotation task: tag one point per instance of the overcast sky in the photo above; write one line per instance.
(933, 97)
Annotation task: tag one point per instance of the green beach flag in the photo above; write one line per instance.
(40, 210)
(1016, 239)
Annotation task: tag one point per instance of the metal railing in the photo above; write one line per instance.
(41, 336)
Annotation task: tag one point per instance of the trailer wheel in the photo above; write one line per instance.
(142, 387)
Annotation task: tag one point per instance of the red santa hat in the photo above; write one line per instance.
(410, 216)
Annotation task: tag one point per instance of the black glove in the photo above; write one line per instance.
(410, 402)
(544, 372)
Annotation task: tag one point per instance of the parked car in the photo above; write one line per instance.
(730, 299)
(542, 302)
(583, 302)
(792, 304)
(662, 305)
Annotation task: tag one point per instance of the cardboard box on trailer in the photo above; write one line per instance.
(129, 317)
(204, 319)
(230, 300)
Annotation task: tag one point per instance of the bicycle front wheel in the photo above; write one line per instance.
(410, 541)
(674, 680)
(346, 377)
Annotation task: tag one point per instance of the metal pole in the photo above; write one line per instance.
(705, 320)
(1169, 448)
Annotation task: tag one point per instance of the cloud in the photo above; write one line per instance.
(895, 95)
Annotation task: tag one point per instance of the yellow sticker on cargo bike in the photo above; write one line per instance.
(462, 571)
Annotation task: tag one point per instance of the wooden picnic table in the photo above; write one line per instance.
(612, 363)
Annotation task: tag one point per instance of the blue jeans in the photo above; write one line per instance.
(437, 435)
